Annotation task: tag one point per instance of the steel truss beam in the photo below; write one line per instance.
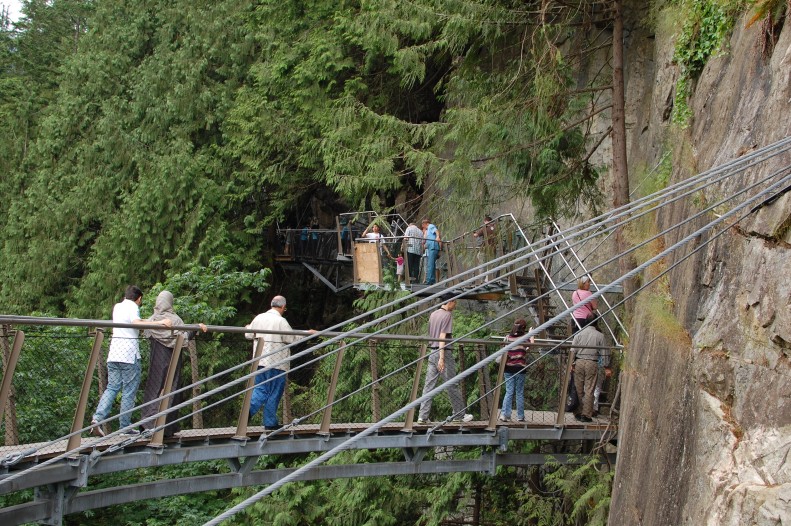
(56, 503)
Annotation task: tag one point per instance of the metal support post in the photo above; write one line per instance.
(484, 384)
(82, 403)
(561, 420)
(197, 414)
(10, 366)
(496, 394)
(375, 387)
(410, 415)
(462, 366)
(244, 414)
(327, 418)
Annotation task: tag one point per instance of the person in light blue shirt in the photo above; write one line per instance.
(432, 243)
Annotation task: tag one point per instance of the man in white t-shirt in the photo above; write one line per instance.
(123, 362)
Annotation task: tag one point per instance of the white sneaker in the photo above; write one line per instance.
(422, 422)
(466, 418)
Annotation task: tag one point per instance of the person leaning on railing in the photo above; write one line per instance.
(123, 362)
(270, 382)
(163, 342)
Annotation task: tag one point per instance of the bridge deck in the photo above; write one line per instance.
(533, 420)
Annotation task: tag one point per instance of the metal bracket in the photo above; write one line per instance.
(56, 496)
(503, 438)
(414, 454)
(81, 463)
(490, 456)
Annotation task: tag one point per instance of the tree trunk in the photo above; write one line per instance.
(619, 165)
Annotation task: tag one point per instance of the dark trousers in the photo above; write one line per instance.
(413, 261)
(155, 383)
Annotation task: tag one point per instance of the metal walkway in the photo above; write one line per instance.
(328, 395)
(59, 465)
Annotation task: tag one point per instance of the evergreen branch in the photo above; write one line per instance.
(542, 140)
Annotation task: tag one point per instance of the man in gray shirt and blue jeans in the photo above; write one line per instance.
(441, 362)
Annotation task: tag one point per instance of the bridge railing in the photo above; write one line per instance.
(54, 375)
(478, 247)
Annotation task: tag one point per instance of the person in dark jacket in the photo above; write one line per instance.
(163, 342)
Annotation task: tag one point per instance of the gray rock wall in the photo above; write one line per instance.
(705, 435)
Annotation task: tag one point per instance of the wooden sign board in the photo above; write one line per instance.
(367, 263)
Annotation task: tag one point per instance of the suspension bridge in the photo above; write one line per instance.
(356, 389)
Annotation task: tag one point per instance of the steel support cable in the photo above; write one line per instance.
(470, 370)
(607, 216)
(310, 350)
(252, 374)
(711, 207)
(681, 186)
(751, 160)
(645, 242)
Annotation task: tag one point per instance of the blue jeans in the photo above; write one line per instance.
(431, 266)
(514, 382)
(267, 393)
(124, 377)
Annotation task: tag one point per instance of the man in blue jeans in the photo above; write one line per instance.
(123, 362)
(432, 243)
(270, 382)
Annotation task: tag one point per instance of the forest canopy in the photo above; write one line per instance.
(147, 137)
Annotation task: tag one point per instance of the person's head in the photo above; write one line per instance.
(134, 293)
(425, 222)
(375, 227)
(487, 218)
(164, 301)
(584, 283)
(519, 328)
(448, 301)
(279, 303)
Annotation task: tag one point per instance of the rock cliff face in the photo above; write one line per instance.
(705, 434)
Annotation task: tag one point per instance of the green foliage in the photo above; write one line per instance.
(126, 168)
(170, 132)
(707, 25)
(371, 99)
(588, 486)
(209, 294)
(48, 380)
